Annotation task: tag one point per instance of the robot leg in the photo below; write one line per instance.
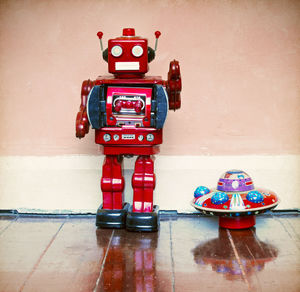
(143, 216)
(143, 184)
(112, 213)
(112, 182)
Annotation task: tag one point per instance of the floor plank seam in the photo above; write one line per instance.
(104, 261)
(296, 236)
(286, 229)
(41, 257)
(238, 259)
(172, 257)
(8, 225)
(254, 259)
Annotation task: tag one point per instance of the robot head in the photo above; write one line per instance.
(128, 55)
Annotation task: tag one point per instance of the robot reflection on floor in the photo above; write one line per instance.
(128, 111)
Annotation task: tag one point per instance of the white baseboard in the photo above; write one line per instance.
(72, 183)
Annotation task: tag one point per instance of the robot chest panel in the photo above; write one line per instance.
(128, 106)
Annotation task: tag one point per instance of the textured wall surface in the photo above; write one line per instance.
(240, 65)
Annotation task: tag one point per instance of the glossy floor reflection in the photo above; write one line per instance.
(237, 254)
(188, 254)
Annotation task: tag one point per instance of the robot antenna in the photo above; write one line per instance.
(100, 34)
(157, 35)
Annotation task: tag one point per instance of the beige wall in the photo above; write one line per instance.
(240, 64)
(240, 70)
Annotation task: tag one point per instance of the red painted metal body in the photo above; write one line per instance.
(128, 106)
(143, 184)
(243, 222)
(112, 182)
(120, 65)
(128, 136)
(129, 98)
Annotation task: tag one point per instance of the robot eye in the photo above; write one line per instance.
(116, 51)
(137, 51)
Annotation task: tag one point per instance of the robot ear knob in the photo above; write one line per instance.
(105, 55)
(151, 54)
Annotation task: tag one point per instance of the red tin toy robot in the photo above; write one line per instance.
(128, 111)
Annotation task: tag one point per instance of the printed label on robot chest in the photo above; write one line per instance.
(128, 136)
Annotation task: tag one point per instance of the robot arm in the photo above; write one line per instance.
(82, 123)
(173, 85)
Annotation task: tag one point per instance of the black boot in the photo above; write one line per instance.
(112, 218)
(137, 221)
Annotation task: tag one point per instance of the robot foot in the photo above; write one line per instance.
(148, 221)
(112, 218)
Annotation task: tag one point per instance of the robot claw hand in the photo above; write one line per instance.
(82, 124)
(173, 85)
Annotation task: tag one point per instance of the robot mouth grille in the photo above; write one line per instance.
(127, 66)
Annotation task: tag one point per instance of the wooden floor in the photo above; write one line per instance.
(189, 253)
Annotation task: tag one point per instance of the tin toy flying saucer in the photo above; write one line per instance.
(235, 200)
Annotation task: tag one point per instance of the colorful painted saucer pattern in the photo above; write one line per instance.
(235, 195)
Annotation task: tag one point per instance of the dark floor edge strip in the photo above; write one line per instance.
(164, 214)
